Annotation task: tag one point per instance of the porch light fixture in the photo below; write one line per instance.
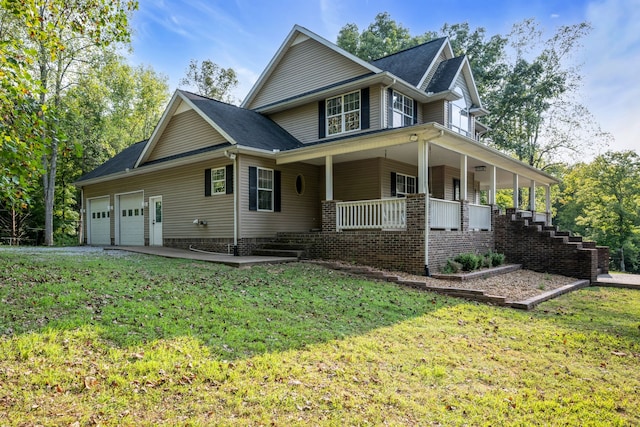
(413, 137)
(480, 168)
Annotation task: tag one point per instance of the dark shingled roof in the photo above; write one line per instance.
(411, 64)
(246, 127)
(119, 163)
(445, 75)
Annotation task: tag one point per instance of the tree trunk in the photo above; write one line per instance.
(49, 193)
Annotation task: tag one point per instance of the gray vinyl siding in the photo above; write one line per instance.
(357, 180)
(306, 66)
(434, 112)
(388, 166)
(183, 200)
(302, 122)
(461, 82)
(185, 132)
(441, 183)
(299, 213)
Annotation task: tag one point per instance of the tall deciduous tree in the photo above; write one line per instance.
(602, 198)
(63, 36)
(210, 80)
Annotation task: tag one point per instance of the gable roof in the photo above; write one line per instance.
(412, 64)
(445, 75)
(245, 128)
(126, 159)
(235, 124)
(296, 32)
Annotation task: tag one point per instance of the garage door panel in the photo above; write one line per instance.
(131, 219)
(99, 221)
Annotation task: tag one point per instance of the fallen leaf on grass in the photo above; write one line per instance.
(619, 353)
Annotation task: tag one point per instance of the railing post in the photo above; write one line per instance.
(329, 216)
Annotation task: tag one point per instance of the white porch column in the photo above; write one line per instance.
(423, 188)
(463, 177)
(516, 186)
(547, 197)
(532, 196)
(328, 177)
(492, 185)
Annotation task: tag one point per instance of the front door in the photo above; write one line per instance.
(155, 221)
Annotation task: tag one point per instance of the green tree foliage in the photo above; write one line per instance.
(600, 200)
(61, 38)
(210, 80)
(526, 82)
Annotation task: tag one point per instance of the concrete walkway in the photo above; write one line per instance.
(619, 280)
(230, 260)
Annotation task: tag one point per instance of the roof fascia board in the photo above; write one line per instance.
(351, 145)
(446, 46)
(166, 117)
(288, 42)
(164, 120)
(208, 120)
(154, 168)
(465, 67)
(463, 145)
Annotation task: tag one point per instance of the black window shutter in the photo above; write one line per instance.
(207, 182)
(322, 119)
(393, 184)
(390, 108)
(364, 108)
(277, 193)
(415, 112)
(228, 175)
(253, 188)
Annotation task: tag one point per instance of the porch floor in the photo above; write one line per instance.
(230, 260)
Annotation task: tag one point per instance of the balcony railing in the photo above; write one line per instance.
(385, 214)
(444, 214)
(479, 217)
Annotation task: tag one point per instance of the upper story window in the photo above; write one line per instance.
(402, 110)
(459, 115)
(343, 113)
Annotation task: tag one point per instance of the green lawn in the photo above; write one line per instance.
(136, 340)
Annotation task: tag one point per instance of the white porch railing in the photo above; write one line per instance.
(541, 217)
(386, 214)
(444, 214)
(479, 217)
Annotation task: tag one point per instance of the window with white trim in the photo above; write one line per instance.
(265, 189)
(402, 110)
(405, 184)
(218, 181)
(343, 113)
(459, 115)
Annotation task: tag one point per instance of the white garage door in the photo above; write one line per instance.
(99, 222)
(131, 219)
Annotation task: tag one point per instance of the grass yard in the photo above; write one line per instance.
(99, 339)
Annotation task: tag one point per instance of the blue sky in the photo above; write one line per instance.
(245, 34)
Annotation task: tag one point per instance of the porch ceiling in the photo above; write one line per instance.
(445, 148)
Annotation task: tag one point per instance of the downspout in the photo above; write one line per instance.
(82, 215)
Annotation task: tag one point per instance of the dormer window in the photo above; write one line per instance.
(402, 110)
(343, 113)
(459, 114)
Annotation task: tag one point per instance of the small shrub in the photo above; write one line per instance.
(469, 261)
(496, 258)
(451, 267)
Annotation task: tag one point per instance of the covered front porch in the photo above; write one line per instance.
(369, 177)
